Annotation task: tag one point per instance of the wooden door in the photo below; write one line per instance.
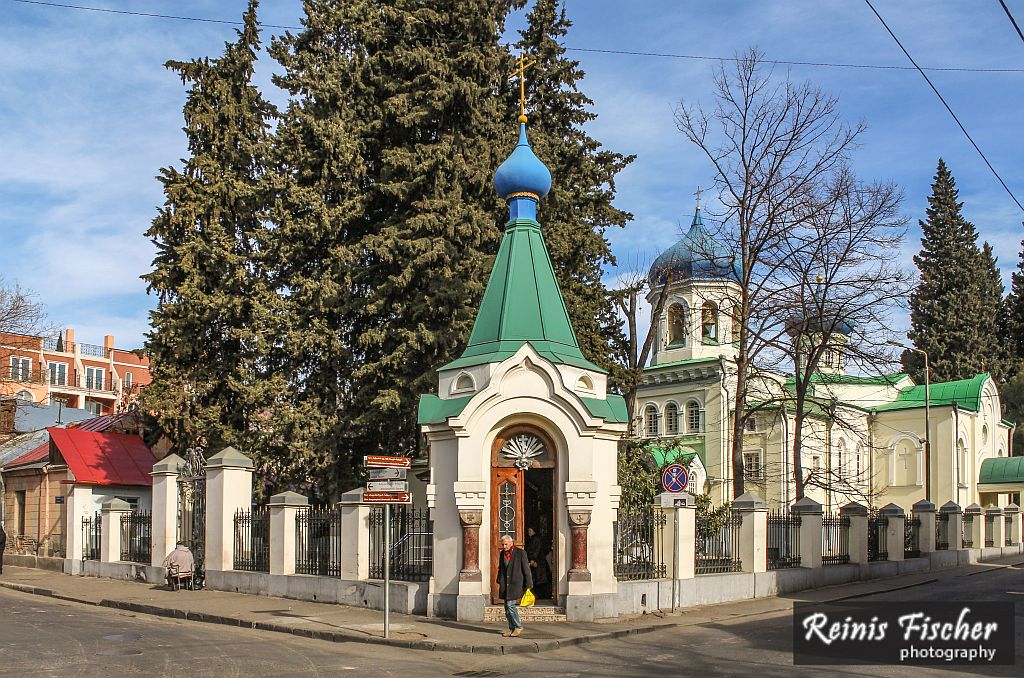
(507, 492)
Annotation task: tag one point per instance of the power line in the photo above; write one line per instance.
(662, 55)
(938, 94)
(1012, 20)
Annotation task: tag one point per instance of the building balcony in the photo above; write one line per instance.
(25, 377)
(80, 382)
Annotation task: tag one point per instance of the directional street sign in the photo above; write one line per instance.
(384, 461)
(386, 473)
(387, 486)
(387, 497)
(674, 478)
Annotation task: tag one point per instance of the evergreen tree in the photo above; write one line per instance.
(578, 211)
(1013, 318)
(209, 273)
(954, 310)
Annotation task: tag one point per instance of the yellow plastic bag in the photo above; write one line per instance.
(528, 599)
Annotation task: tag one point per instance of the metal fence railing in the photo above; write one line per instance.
(718, 546)
(990, 528)
(252, 540)
(638, 544)
(1008, 530)
(412, 543)
(912, 537)
(318, 541)
(136, 537)
(877, 526)
(941, 531)
(835, 539)
(783, 540)
(968, 538)
(92, 535)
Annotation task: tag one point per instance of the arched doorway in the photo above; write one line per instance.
(523, 477)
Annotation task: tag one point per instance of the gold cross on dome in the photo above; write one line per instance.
(520, 72)
(697, 193)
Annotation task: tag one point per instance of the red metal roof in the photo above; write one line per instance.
(104, 458)
(36, 455)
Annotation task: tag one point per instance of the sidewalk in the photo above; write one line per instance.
(339, 623)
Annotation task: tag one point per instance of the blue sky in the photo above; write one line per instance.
(88, 115)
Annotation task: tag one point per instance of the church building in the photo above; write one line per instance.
(863, 437)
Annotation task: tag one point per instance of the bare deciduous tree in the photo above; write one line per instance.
(22, 322)
(772, 145)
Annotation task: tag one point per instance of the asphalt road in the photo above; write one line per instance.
(44, 637)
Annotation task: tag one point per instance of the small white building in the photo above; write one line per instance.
(522, 434)
(863, 436)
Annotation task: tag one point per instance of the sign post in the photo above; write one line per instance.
(387, 485)
(674, 480)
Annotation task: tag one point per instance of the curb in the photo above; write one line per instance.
(532, 647)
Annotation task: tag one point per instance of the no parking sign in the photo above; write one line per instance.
(674, 478)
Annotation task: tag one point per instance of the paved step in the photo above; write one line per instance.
(534, 613)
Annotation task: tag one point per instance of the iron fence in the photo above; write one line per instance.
(252, 540)
(1008, 529)
(638, 545)
(990, 528)
(718, 546)
(968, 539)
(912, 537)
(412, 543)
(783, 540)
(136, 537)
(835, 539)
(877, 526)
(318, 542)
(92, 534)
(942, 532)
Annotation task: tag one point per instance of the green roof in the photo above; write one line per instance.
(1002, 470)
(681, 363)
(852, 380)
(522, 304)
(965, 393)
(434, 410)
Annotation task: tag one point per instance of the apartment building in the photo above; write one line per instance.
(101, 379)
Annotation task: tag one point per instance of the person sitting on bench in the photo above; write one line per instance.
(180, 565)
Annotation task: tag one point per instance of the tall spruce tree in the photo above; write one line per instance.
(209, 274)
(578, 212)
(319, 212)
(1013, 318)
(954, 310)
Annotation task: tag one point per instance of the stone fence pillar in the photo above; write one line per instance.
(974, 515)
(228, 488)
(79, 505)
(685, 541)
(858, 515)
(355, 536)
(895, 531)
(283, 508)
(165, 507)
(1011, 513)
(753, 544)
(924, 511)
(954, 525)
(811, 518)
(110, 538)
(994, 520)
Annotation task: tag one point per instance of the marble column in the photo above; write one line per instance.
(470, 519)
(579, 520)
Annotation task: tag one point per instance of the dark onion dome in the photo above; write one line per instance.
(697, 255)
(522, 172)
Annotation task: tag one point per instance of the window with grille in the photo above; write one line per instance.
(651, 420)
(752, 465)
(694, 420)
(671, 419)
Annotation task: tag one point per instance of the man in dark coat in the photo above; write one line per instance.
(3, 545)
(514, 578)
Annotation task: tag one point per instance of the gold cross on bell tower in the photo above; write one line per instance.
(520, 72)
(697, 193)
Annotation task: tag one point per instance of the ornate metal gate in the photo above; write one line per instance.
(192, 508)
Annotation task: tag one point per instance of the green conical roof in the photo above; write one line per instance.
(522, 304)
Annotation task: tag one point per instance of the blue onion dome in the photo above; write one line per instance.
(697, 255)
(522, 172)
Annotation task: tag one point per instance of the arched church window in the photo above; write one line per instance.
(859, 461)
(709, 321)
(672, 419)
(841, 461)
(735, 317)
(961, 462)
(464, 382)
(585, 383)
(651, 420)
(677, 322)
(905, 464)
(694, 420)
